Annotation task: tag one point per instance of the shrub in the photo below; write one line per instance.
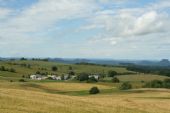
(112, 73)
(22, 80)
(167, 83)
(2, 68)
(83, 77)
(12, 70)
(23, 58)
(71, 73)
(154, 84)
(125, 86)
(54, 68)
(94, 90)
(115, 80)
(91, 79)
(38, 72)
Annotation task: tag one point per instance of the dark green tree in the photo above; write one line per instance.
(54, 68)
(94, 90)
(115, 80)
(125, 86)
(112, 73)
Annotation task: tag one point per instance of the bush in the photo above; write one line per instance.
(92, 79)
(155, 84)
(12, 70)
(125, 86)
(71, 73)
(54, 68)
(2, 68)
(38, 72)
(83, 77)
(167, 83)
(115, 80)
(22, 80)
(94, 90)
(112, 73)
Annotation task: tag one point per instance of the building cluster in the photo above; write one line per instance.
(55, 77)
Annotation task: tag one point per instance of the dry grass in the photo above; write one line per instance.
(26, 101)
(141, 77)
(72, 86)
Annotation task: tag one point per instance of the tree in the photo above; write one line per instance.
(125, 86)
(22, 80)
(12, 70)
(70, 68)
(115, 80)
(71, 73)
(92, 79)
(2, 68)
(94, 90)
(38, 72)
(112, 73)
(167, 83)
(83, 77)
(154, 84)
(54, 68)
(23, 58)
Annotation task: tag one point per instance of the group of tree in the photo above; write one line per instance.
(150, 69)
(40, 59)
(3, 68)
(158, 84)
(20, 64)
(85, 77)
(115, 80)
(23, 58)
(25, 65)
(125, 86)
(112, 73)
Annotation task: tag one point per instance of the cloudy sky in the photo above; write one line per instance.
(117, 29)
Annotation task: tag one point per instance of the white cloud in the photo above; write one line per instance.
(4, 12)
(120, 28)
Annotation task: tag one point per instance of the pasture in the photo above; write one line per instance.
(73, 96)
(34, 101)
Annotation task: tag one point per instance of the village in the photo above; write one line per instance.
(59, 78)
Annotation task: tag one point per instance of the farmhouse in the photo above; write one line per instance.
(95, 76)
(66, 77)
(58, 78)
(37, 77)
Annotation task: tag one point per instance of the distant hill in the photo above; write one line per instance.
(163, 62)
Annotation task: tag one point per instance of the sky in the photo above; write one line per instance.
(114, 29)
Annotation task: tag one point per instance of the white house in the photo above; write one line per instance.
(95, 76)
(53, 77)
(66, 77)
(58, 78)
(33, 77)
(37, 77)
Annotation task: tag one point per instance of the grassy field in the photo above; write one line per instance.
(141, 77)
(73, 96)
(15, 100)
(62, 68)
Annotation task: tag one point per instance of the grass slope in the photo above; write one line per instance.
(62, 68)
(26, 101)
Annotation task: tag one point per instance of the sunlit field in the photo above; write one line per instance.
(49, 96)
(27, 101)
